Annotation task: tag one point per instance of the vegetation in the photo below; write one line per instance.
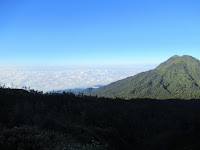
(32, 120)
(177, 78)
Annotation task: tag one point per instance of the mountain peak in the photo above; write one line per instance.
(175, 56)
(177, 59)
(188, 57)
(171, 59)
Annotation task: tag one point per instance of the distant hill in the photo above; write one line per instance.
(178, 77)
(76, 90)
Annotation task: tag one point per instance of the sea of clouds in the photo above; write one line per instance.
(64, 77)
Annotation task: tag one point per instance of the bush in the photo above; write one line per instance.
(32, 138)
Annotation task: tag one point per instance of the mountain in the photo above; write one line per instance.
(178, 77)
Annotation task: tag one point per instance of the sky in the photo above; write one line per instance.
(97, 32)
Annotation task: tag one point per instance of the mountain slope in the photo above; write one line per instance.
(178, 77)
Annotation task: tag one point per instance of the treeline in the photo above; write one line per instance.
(33, 120)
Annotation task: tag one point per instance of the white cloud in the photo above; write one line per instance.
(58, 78)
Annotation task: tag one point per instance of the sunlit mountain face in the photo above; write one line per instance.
(177, 78)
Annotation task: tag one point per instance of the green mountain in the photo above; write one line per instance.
(178, 77)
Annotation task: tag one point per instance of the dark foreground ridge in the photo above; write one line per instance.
(177, 78)
(36, 121)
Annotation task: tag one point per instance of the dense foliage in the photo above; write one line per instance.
(177, 78)
(65, 121)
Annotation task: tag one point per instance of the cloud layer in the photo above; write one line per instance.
(59, 78)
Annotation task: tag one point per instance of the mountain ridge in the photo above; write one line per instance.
(178, 77)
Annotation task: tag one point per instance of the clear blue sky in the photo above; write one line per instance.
(98, 31)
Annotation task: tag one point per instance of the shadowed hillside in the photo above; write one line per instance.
(31, 121)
